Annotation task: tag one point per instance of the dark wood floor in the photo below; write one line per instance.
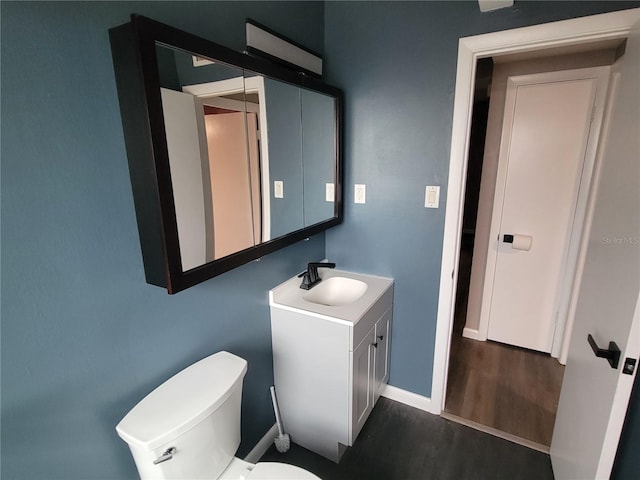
(510, 389)
(404, 443)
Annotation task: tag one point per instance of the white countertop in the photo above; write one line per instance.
(289, 296)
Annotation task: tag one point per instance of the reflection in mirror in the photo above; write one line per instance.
(251, 158)
(318, 153)
(302, 156)
(212, 138)
(285, 156)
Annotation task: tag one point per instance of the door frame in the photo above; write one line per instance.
(253, 84)
(470, 49)
(565, 293)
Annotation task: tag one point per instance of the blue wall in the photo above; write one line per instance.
(396, 62)
(83, 337)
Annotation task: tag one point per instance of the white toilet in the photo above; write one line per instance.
(189, 427)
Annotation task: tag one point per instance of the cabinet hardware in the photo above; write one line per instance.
(380, 337)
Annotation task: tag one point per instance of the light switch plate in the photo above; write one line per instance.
(278, 189)
(432, 196)
(330, 192)
(359, 193)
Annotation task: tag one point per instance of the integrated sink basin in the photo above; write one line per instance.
(341, 296)
(336, 291)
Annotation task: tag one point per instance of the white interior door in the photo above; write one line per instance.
(545, 136)
(187, 151)
(594, 395)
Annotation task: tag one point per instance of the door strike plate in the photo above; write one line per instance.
(629, 366)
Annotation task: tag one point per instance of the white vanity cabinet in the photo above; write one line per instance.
(329, 370)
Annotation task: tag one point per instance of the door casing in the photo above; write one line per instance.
(470, 49)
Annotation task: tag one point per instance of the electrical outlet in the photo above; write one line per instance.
(359, 193)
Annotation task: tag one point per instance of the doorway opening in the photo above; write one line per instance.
(507, 390)
(580, 447)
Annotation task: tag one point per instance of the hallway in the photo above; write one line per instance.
(499, 386)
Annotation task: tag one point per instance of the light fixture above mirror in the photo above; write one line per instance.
(231, 156)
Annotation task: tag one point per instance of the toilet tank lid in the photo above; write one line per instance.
(182, 401)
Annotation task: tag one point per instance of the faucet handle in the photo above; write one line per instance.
(310, 276)
(306, 280)
(316, 265)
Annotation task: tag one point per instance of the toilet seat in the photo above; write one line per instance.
(279, 471)
(242, 470)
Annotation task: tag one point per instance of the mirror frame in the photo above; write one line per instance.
(133, 47)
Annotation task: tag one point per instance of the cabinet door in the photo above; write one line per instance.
(363, 385)
(383, 330)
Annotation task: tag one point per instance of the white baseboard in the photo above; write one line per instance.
(262, 446)
(472, 333)
(408, 398)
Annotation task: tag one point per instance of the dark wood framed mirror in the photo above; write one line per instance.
(231, 156)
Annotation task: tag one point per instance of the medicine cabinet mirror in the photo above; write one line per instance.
(231, 156)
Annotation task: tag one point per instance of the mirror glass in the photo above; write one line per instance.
(283, 159)
(318, 153)
(251, 158)
(213, 156)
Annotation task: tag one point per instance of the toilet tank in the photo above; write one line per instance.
(196, 413)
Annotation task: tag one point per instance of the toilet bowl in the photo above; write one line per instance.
(239, 469)
(189, 427)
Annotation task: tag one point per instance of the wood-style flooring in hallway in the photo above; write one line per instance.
(507, 388)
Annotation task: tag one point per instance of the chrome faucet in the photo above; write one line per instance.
(310, 277)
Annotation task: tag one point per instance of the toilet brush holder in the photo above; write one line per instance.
(282, 441)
